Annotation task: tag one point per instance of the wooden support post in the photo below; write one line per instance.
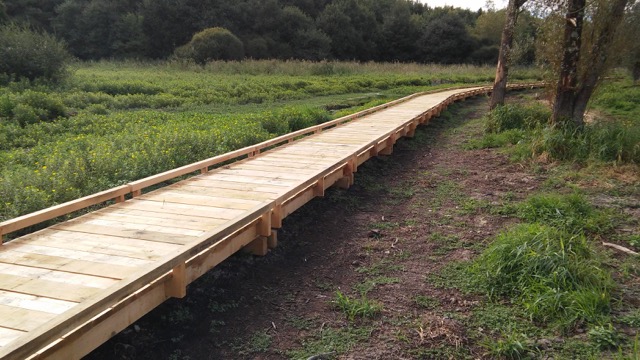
(119, 199)
(264, 225)
(177, 286)
(345, 182)
(388, 150)
(136, 193)
(204, 170)
(258, 247)
(272, 240)
(412, 130)
(374, 151)
(276, 217)
(318, 189)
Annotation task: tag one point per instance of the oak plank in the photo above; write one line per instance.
(36, 303)
(65, 264)
(101, 244)
(97, 257)
(22, 319)
(9, 335)
(181, 209)
(45, 288)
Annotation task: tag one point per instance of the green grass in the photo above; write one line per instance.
(570, 212)
(331, 341)
(556, 276)
(354, 307)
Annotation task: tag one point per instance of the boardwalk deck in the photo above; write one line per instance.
(68, 288)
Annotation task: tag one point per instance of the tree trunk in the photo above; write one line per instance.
(636, 72)
(502, 70)
(568, 82)
(574, 92)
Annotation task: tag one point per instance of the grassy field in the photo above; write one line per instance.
(115, 122)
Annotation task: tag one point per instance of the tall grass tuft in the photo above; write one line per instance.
(571, 213)
(511, 116)
(555, 275)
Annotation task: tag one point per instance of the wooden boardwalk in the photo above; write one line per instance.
(68, 288)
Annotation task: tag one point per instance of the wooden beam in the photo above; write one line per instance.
(177, 286)
(272, 240)
(258, 247)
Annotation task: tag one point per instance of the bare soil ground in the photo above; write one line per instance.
(384, 244)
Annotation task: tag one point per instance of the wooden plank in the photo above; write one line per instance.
(181, 209)
(195, 197)
(45, 288)
(278, 169)
(8, 336)
(218, 252)
(30, 302)
(65, 264)
(85, 255)
(234, 185)
(62, 209)
(94, 305)
(127, 231)
(99, 244)
(271, 175)
(257, 179)
(229, 193)
(152, 218)
(22, 319)
(300, 159)
(56, 276)
(289, 163)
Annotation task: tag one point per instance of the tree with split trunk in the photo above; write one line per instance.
(584, 59)
(506, 43)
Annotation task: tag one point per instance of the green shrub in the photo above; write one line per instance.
(32, 55)
(610, 141)
(293, 118)
(553, 274)
(512, 116)
(572, 213)
(212, 44)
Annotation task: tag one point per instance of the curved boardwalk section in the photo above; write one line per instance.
(68, 288)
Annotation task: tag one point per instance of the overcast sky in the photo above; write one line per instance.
(468, 4)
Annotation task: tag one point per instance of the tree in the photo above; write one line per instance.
(502, 69)
(352, 28)
(25, 53)
(445, 40)
(629, 44)
(582, 67)
(3, 13)
(212, 44)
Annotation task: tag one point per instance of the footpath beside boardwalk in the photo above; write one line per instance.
(67, 289)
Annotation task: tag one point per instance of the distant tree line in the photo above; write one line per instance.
(363, 30)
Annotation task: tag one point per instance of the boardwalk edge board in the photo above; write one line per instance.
(94, 320)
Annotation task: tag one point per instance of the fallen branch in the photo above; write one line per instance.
(621, 248)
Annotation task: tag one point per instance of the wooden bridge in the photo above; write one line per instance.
(68, 288)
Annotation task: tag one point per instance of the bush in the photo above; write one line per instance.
(212, 44)
(516, 117)
(553, 274)
(28, 54)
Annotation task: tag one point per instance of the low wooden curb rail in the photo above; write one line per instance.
(94, 316)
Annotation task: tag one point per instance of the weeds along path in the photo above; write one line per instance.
(358, 274)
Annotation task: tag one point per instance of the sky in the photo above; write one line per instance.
(467, 4)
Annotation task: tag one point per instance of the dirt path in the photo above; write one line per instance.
(383, 244)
